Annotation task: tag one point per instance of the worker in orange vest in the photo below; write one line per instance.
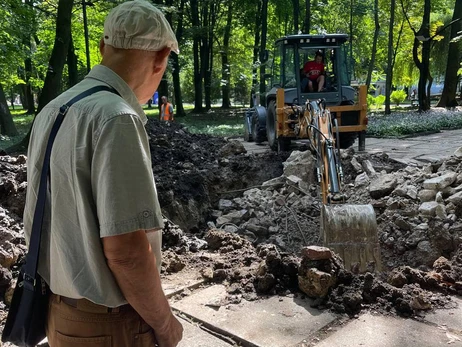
(166, 110)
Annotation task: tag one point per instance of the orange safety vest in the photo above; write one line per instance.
(165, 112)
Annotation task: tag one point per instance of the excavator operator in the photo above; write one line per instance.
(313, 72)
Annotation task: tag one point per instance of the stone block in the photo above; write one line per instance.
(316, 283)
(428, 208)
(440, 182)
(316, 253)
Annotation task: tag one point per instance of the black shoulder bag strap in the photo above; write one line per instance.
(32, 257)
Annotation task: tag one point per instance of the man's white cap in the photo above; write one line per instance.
(138, 25)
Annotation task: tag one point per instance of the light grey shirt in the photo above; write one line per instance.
(101, 184)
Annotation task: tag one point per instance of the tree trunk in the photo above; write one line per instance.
(225, 67)
(255, 54)
(374, 43)
(264, 28)
(179, 110)
(210, 14)
(197, 59)
(308, 16)
(424, 64)
(351, 64)
(28, 88)
(52, 86)
(7, 126)
(448, 96)
(296, 4)
(389, 79)
(72, 64)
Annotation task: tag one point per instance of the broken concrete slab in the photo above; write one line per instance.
(440, 182)
(381, 331)
(271, 322)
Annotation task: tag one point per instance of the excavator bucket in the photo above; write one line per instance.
(351, 232)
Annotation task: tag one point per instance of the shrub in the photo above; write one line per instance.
(370, 101)
(379, 100)
(398, 96)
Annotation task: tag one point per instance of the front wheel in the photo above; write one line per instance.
(283, 144)
(271, 126)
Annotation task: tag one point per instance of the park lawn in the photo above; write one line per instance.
(216, 122)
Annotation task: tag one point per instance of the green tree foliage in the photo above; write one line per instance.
(27, 31)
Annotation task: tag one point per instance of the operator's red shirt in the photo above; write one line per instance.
(313, 69)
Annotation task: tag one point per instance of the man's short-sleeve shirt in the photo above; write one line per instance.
(101, 184)
(313, 69)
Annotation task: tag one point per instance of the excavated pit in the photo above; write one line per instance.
(243, 219)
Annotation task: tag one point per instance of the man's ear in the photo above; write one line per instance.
(160, 59)
(101, 46)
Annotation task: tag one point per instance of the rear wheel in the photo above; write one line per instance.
(271, 126)
(247, 135)
(256, 133)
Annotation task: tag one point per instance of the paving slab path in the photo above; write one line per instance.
(292, 322)
(419, 149)
(416, 150)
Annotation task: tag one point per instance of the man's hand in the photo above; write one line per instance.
(170, 334)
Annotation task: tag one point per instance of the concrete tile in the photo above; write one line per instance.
(194, 336)
(270, 322)
(451, 318)
(380, 331)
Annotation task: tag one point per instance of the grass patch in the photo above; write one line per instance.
(399, 124)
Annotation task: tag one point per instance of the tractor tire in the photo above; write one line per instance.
(347, 139)
(248, 137)
(271, 126)
(284, 144)
(256, 134)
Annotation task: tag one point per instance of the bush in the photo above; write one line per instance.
(378, 101)
(398, 96)
(370, 101)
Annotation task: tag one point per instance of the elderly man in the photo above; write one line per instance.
(101, 234)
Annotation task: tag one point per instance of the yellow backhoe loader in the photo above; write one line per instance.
(331, 117)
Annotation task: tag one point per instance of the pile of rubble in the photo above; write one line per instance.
(417, 207)
(223, 222)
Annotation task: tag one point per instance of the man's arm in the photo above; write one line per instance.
(130, 258)
(171, 112)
